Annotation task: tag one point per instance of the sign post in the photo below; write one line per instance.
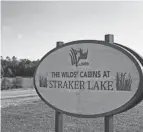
(109, 119)
(58, 115)
(109, 123)
(58, 122)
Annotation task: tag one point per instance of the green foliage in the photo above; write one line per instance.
(6, 84)
(11, 67)
(17, 82)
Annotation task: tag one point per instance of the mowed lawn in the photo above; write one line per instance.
(33, 115)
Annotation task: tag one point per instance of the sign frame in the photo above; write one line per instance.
(141, 61)
(136, 97)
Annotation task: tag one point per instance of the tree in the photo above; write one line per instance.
(14, 67)
(2, 72)
(8, 59)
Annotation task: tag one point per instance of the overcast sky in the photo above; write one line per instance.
(31, 29)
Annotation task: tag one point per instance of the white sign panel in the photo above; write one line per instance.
(87, 78)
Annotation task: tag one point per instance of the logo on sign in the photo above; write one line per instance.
(123, 82)
(77, 55)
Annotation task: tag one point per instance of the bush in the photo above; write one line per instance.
(6, 84)
(17, 82)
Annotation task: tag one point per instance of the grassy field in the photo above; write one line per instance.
(32, 115)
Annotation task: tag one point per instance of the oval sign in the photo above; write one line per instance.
(89, 79)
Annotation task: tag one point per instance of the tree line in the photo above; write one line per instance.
(12, 67)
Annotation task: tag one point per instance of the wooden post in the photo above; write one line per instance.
(108, 120)
(59, 43)
(58, 122)
(58, 115)
(109, 38)
(108, 123)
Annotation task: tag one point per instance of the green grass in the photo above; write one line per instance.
(36, 116)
